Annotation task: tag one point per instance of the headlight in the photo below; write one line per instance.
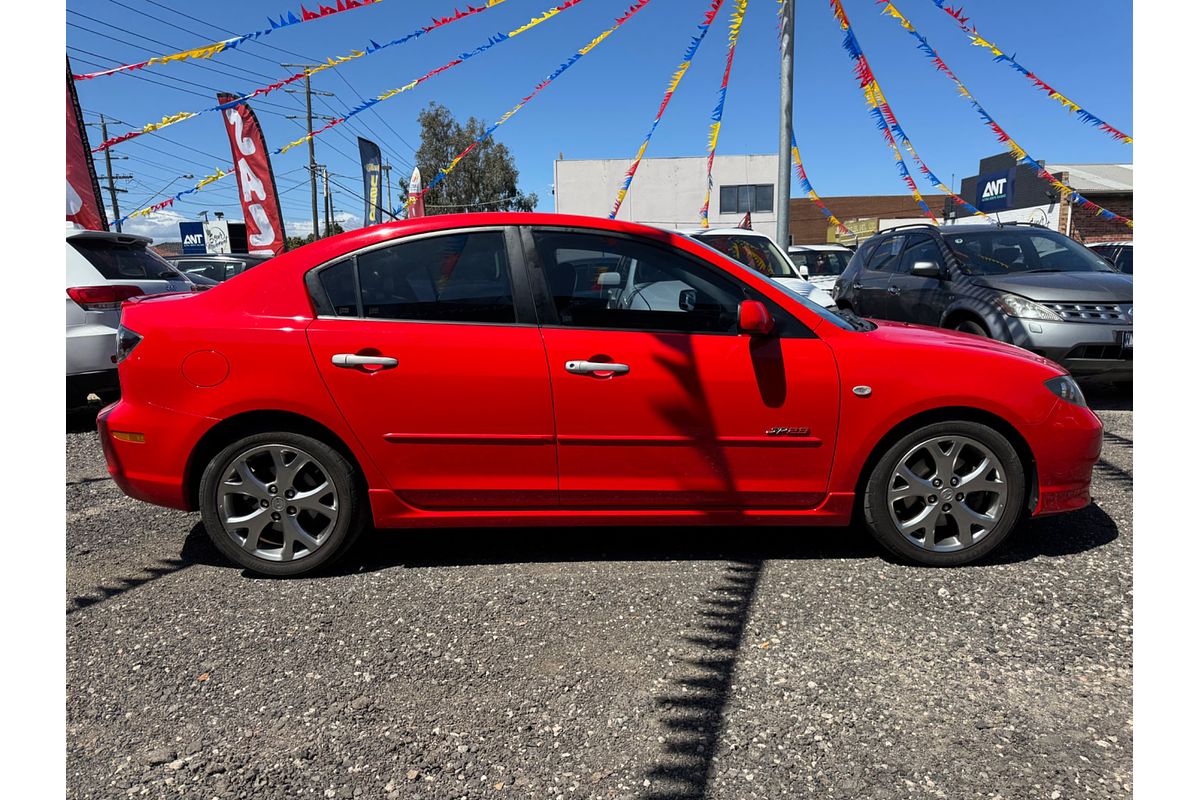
(1067, 389)
(1017, 306)
(126, 341)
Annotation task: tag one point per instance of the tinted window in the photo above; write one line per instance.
(822, 262)
(747, 197)
(117, 260)
(599, 281)
(1125, 260)
(923, 249)
(460, 277)
(887, 255)
(338, 283)
(1008, 250)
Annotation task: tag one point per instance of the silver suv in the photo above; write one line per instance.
(1019, 283)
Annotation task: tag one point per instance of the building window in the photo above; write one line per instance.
(758, 198)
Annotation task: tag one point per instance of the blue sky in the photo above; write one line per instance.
(601, 107)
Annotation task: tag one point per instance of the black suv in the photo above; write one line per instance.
(1019, 283)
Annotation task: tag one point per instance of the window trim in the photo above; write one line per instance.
(548, 312)
(523, 306)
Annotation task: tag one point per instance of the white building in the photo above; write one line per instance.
(670, 191)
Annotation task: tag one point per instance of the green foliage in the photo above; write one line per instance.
(486, 178)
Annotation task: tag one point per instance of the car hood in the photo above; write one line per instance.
(924, 336)
(807, 290)
(1091, 287)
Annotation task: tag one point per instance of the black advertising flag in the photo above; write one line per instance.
(372, 162)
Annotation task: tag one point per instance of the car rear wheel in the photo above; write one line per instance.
(281, 504)
(945, 494)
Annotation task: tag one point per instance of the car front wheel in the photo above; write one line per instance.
(281, 504)
(946, 494)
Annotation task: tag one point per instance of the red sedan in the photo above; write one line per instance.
(538, 369)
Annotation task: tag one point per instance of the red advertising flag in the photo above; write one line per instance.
(256, 181)
(417, 209)
(84, 206)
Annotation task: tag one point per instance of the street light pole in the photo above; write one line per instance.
(783, 186)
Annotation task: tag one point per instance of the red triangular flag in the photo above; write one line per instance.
(745, 223)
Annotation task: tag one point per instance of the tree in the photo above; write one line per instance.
(486, 178)
(299, 241)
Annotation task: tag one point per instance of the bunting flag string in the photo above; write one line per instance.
(170, 201)
(330, 63)
(210, 50)
(737, 17)
(807, 187)
(1017, 151)
(489, 44)
(1000, 57)
(672, 85)
(886, 121)
(583, 51)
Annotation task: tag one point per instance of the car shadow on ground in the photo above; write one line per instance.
(82, 419)
(1108, 396)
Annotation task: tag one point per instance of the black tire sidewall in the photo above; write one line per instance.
(879, 520)
(339, 470)
(979, 330)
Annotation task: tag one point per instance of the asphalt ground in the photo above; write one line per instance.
(599, 663)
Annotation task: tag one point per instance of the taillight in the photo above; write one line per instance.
(126, 341)
(103, 298)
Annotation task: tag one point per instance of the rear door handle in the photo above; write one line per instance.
(856, 285)
(351, 360)
(589, 367)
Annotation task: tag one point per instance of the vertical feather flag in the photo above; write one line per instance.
(735, 28)
(672, 85)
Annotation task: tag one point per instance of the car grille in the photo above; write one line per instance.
(1094, 312)
(1098, 352)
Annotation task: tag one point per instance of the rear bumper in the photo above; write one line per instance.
(153, 470)
(1065, 448)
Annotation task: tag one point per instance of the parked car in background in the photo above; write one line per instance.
(474, 370)
(103, 270)
(1018, 283)
(1120, 254)
(821, 263)
(759, 252)
(216, 267)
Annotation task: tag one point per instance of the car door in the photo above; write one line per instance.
(430, 348)
(659, 402)
(871, 284)
(916, 298)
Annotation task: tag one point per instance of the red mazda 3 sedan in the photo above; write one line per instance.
(539, 369)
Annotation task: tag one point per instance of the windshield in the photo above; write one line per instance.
(1015, 250)
(120, 260)
(755, 252)
(821, 262)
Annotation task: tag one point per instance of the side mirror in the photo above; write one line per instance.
(687, 300)
(926, 269)
(607, 279)
(753, 318)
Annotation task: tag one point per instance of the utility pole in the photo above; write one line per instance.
(387, 177)
(312, 155)
(109, 177)
(328, 202)
(783, 187)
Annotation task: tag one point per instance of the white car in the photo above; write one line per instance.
(104, 270)
(759, 252)
(821, 263)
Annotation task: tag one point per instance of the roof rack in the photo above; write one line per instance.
(910, 225)
(1030, 224)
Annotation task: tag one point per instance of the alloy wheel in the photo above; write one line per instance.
(277, 502)
(947, 493)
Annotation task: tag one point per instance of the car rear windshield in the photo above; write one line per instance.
(1011, 250)
(123, 260)
(753, 251)
(821, 262)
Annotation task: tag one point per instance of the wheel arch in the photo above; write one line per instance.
(235, 427)
(953, 414)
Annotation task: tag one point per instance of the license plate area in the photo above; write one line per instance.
(1125, 339)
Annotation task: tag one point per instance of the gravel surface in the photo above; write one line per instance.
(588, 663)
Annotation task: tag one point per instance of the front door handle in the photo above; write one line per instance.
(590, 367)
(856, 285)
(352, 360)
(893, 290)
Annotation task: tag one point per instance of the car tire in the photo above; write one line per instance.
(913, 494)
(285, 487)
(972, 327)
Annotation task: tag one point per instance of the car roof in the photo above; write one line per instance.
(112, 236)
(820, 248)
(727, 229)
(218, 256)
(1124, 243)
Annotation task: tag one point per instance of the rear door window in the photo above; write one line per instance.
(124, 260)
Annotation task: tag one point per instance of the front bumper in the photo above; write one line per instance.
(1065, 448)
(1085, 349)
